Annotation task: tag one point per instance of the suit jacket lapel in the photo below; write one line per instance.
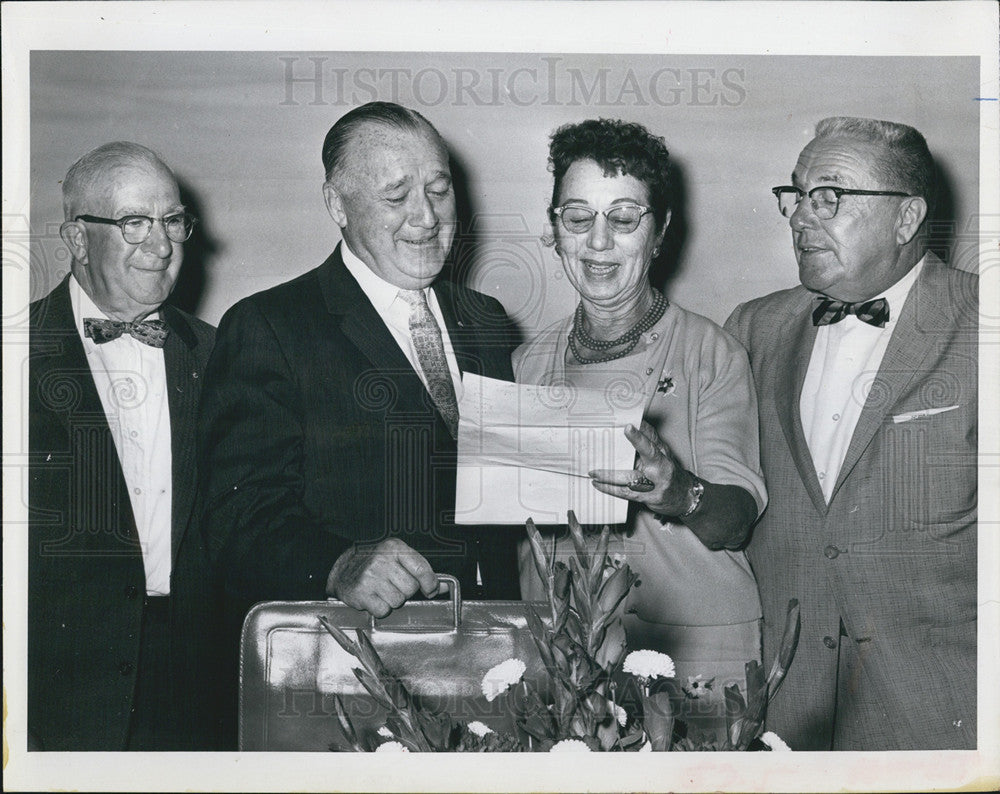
(58, 355)
(791, 365)
(58, 358)
(182, 398)
(464, 334)
(907, 348)
(363, 326)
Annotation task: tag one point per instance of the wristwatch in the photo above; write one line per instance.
(696, 491)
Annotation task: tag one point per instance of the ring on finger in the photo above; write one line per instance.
(640, 483)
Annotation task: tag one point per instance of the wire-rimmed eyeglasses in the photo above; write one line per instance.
(825, 199)
(137, 228)
(622, 218)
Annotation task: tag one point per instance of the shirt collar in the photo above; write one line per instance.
(896, 294)
(84, 306)
(379, 291)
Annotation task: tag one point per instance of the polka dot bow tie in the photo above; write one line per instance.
(149, 332)
(829, 311)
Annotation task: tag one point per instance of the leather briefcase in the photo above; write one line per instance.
(290, 666)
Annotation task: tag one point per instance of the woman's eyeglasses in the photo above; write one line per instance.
(622, 218)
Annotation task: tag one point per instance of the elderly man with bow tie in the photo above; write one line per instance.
(120, 607)
(866, 381)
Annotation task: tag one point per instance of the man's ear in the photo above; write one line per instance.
(912, 212)
(334, 204)
(74, 235)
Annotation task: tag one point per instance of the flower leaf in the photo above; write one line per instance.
(658, 719)
(375, 687)
(542, 562)
(581, 596)
(614, 589)
(345, 725)
(735, 709)
(786, 652)
(612, 648)
(750, 724)
(342, 639)
(600, 555)
(576, 534)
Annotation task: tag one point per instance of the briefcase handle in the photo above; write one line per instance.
(454, 595)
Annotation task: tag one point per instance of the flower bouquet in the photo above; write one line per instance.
(595, 695)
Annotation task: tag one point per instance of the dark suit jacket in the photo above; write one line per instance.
(893, 556)
(317, 433)
(86, 582)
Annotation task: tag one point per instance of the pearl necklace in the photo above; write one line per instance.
(630, 338)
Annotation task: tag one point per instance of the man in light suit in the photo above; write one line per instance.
(120, 609)
(330, 406)
(867, 384)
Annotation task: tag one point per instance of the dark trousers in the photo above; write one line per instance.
(155, 722)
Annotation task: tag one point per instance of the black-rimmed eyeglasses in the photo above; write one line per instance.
(137, 228)
(622, 218)
(825, 200)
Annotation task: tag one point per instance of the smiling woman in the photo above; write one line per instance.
(696, 485)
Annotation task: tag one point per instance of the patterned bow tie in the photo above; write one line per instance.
(874, 312)
(149, 332)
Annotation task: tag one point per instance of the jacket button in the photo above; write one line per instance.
(125, 668)
(131, 592)
(831, 552)
(830, 642)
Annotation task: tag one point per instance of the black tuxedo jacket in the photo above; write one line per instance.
(317, 433)
(86, 582)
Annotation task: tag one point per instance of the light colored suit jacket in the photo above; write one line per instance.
(886, 572)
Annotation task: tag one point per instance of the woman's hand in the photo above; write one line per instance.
(721, 518)
(659, 481)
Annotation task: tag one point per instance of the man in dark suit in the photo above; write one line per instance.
(119, 602)
(866, 379)
(329, 412)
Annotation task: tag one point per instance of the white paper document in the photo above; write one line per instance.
(524, 452)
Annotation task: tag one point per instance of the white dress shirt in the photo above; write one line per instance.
(395, 313)
(845, 359)
(131, 379)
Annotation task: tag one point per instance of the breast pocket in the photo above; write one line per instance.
(929, 463)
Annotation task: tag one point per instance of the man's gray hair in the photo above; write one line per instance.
(87, 172)
(907, 163)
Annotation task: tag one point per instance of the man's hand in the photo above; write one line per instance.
(380, 578)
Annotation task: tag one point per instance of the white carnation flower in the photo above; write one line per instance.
(570, 746)
(649, 665)
(620, 715)
(384, 732)
(392, 747)
(774, 742)
(500, 678)
(478, 728)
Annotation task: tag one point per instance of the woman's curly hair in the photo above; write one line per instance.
(618, 147)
